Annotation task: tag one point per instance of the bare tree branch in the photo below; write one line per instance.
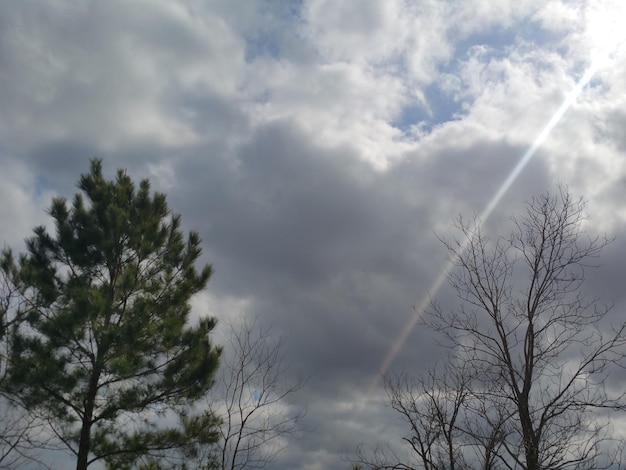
(252, 399)
(535, 353)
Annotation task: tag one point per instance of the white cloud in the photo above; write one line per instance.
(24, 200)
(111, 62)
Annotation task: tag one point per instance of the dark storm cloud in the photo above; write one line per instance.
(337, 253)
(333, 251)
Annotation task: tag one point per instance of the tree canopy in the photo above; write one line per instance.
(105, 349)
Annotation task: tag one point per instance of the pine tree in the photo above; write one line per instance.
(106, 351)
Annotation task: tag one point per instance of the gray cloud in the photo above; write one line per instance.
(272, 129)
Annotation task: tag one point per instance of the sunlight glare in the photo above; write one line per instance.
(608, 37)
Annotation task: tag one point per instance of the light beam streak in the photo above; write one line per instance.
(489, 208)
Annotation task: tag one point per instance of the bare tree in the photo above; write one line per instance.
(534, 391)
(22, 434)
(433, 414)
(435, 407)
(252, 398)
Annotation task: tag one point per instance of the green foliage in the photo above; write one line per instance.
(106, 350)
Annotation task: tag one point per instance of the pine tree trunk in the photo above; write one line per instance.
(84, 445)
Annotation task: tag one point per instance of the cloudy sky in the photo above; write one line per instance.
(318, 146)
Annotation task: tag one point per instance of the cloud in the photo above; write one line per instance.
(318, 147)
(113, 65)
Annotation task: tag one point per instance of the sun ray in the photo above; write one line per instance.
(490, 207)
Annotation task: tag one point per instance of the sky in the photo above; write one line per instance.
(319, 147)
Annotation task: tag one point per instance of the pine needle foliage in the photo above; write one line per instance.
(106, 351)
